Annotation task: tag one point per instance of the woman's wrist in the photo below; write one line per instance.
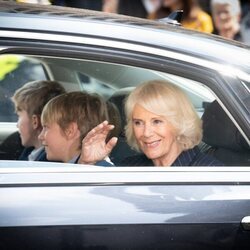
(83, 161)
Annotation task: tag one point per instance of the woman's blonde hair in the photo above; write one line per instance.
(83, 108)
(165, 99)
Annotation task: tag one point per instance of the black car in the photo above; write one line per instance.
(46, 205)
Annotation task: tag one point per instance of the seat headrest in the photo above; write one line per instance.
(118, 99)
(220, 131)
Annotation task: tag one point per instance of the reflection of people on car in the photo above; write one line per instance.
(162, 124)
(66, 120)
(29, 101)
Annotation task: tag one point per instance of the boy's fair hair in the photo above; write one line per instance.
(80, 107)
(165, 99)
(33, 96)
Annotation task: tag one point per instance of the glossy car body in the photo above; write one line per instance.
(63, 206)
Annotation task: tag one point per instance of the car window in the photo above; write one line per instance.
(112, 81)
(15, 70)
(107, 78)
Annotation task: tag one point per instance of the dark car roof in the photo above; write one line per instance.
(60, 20)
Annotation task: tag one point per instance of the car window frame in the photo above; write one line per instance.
(215, 80)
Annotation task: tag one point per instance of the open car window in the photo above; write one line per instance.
(113, 82)
(15, 71)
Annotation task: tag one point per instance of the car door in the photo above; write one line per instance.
(47, 206)
(123, 208)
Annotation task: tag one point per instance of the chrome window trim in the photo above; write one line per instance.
(223, 69)
(19, 173)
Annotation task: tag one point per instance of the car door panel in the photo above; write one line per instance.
(126, 215)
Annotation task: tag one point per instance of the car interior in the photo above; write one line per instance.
(226, 142)
(114, 82)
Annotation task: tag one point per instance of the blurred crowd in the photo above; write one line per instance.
(227, 18)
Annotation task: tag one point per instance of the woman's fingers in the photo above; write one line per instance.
(110, 144)
(100, 132)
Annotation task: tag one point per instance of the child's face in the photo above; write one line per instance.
(25, 128)
(54, 141)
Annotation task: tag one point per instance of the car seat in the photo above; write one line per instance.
(11, 148)
(122, 149)
(225, 141)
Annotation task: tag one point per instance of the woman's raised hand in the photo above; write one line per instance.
(94, 145)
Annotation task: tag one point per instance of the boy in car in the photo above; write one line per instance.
(29, 101)
(66, 121)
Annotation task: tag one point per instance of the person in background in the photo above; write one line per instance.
(245, 29)
(99, 5)
(58, 2)
(151, 6)
(110, 6)
(83, 4)
(132, 8)
(193, 16)
(65, 126)
(245, 7)
(137, 8)
(29, 101)
(45, 2)
(226, 16)
(205, 5)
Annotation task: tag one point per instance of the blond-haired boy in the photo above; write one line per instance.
(29, 101)
(67, 120)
